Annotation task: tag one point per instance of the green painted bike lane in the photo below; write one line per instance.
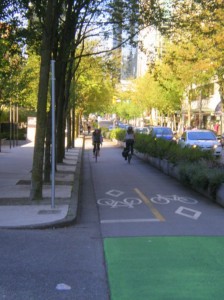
(165, 268)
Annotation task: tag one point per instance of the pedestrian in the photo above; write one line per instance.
(89, 128)
(216, 127)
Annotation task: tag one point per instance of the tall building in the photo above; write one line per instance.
(128, 51)
(149, 48)
(129, 63)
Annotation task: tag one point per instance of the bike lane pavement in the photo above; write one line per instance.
(153, 250)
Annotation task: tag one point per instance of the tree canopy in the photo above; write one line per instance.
(59, 30)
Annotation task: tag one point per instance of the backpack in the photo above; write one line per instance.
(96, 137)
(125, 152)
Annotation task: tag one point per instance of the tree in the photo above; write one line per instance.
(58, 28)
(197, 27)
(46, 50)
(57, 38)
(93, 84)
(28, 81)
(14, 79)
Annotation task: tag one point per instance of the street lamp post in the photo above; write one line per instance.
(53, 134)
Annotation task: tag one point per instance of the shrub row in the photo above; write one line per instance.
(197, 168)
(19, 134)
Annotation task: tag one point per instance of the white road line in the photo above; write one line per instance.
(128, 221)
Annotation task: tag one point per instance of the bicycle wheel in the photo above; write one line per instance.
(187, 200)
(96, 155)
(130, 202)
(159, 199)
(106, 202)
(129, 158)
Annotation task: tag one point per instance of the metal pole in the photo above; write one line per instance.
(17, 124)
(13, 125)
(10, 125)
(53, 134)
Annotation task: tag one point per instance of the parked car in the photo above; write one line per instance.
(123, 126)
(142, 130)
(201, 138)
(111, 127)
(162, 132)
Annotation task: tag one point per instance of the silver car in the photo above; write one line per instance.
(202, 138)
(142, 130)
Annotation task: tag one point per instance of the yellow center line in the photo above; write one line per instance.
(155, 212)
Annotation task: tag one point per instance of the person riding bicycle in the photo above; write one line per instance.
(97, 139)
(129, 139)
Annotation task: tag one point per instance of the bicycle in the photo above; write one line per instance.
(160, 199)
(97, 151)
(127, 202)
(128, 155)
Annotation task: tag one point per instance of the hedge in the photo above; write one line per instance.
(197, 168)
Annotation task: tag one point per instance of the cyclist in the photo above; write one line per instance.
(130, 139)
(97, 139)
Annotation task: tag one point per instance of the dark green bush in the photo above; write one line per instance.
(144, 144)
(118, 134)
(197, 168)
(186, 171)
(195, 175)
(20, 134)
(216, 178)
(105, 132)
(170, 150)
(201, 175)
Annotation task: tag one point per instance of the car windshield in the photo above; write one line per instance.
(163, 131)
(201, 135)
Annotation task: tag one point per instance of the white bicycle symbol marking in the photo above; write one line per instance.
(160, 199)
(127, 202)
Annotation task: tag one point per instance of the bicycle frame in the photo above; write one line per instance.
(96, 154)
(129, 154)
(97, 149)
(129, 157)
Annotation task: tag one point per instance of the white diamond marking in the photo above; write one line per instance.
(187, 212)
(114, 193)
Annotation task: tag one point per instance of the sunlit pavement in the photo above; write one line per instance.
(59, 204)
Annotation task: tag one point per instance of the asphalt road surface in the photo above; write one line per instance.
(138, 200)
(162, 241)
(139, 235)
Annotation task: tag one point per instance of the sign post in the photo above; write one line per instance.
(53, 134)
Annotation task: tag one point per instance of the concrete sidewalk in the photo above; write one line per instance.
(16, 210)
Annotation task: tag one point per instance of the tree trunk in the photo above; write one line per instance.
(221, 91)
(47, 164)
(73, 126)
(189, 111)
(69, 129)
(60, 125)
(63, 58)
(46, 46)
